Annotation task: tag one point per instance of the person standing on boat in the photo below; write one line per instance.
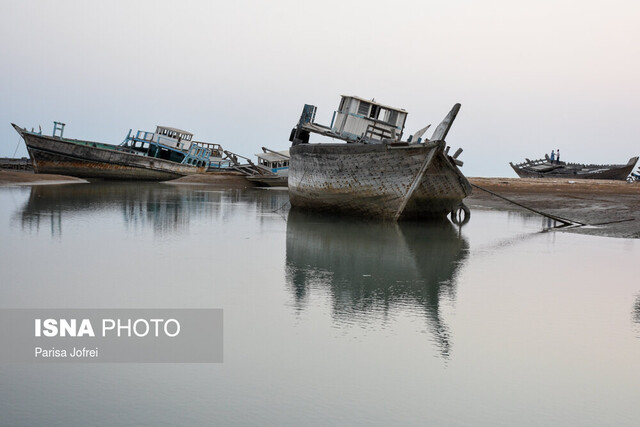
(553, 156)
(558, 155)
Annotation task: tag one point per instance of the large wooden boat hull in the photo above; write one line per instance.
(86, 159)
(547, 169)
(376, 180)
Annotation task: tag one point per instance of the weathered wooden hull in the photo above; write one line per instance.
(84, 160)
(577, 171)
(373, 180)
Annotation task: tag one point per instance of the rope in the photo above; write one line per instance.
(285, 204)
(564, 221)
(17, 146)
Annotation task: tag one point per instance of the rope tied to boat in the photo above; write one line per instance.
(565, 222)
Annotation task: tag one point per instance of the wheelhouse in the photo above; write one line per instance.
(274, 161)
(361, 118)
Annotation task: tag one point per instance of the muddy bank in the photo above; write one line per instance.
(221, 180)
(12, 177)
(611, 207)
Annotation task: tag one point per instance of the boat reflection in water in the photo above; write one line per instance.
(164, 208)
(375, 269)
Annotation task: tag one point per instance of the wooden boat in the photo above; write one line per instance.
(376, 173)
(547, 168)
(272, 169)
(167, 153)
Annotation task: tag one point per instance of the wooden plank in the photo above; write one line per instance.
(416, 181)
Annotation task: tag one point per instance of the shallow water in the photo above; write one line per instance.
(327, 320)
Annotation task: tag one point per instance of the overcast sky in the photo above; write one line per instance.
(531, 76)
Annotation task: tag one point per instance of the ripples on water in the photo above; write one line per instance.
(327, 320)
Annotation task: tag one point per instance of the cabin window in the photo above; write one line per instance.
(393, 117)
(375, 110)
(363, 108)
(341, 108)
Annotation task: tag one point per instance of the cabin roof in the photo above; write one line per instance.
(375, 103)
(175, 129)
(272, 157)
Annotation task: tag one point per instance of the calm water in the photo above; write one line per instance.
(327, 321)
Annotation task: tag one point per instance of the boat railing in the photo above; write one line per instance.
(216, 149)
(144, 135)
(58, 127)
(532, 162)
(378, 132)
(197, 156)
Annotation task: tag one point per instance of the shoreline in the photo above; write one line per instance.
(611, 208)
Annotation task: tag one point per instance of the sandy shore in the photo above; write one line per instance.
(610, 208)
(230, 180)
(10, 177)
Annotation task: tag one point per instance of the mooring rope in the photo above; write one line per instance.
(564, 221)
(17, 146)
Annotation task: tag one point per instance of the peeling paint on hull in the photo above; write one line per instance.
(81, 159)
(372, 180)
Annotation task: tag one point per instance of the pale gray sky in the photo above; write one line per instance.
(531, 76)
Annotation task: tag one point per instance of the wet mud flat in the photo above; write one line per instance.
(610, 208)
(220, 180)
(12, 177)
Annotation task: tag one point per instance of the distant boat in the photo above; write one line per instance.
(375, 174)
(272, 168)
(547, 168)
(167, 153)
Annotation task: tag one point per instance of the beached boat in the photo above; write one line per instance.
(165, 154)
(548, 168)
(272, 168)
(375, 174)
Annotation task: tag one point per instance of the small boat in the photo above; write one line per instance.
(272, 168)
(548, 168)
(375, 174)
(167, 153)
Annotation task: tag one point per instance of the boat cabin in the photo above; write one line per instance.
(171, 144)
(274, 161)
(173, 138)
(361, 118)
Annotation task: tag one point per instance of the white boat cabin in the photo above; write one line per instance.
(361, 118)
(276, 162)
(173, 138)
